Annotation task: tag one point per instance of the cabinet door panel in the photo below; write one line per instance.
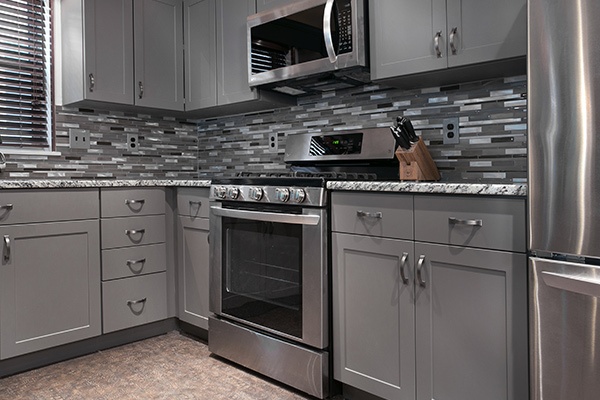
(49, 285)
(109, 50)
(471, 325)
(373, 315)
(193, 271)
(487, 30)
(159, 54)
(402, 36)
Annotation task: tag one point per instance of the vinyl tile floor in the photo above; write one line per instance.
(171, 366)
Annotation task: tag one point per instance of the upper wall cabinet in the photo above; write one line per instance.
(409, 37)
(124, 52)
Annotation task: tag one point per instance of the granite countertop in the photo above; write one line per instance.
(95, 183)
(435, 187)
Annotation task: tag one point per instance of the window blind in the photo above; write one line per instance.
(25, 100)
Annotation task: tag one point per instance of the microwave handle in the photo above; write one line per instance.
(299, 219)
(327, 31)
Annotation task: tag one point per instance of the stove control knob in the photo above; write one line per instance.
(256, 193)
(233, 193)
(219, 192)
(282, 195)
(298, 195)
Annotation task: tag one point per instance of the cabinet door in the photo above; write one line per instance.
(49, 285)
(471, 324)
(402, 36)
(193, 270)
(158, 34)
(232, 49)
(373, 315)
(201, 54)
(486, 30)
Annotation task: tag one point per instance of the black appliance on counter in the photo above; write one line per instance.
(269, 256)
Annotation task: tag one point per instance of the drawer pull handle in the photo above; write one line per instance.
(7, 207)
(420, 271)
(468, 222)
(131, 232)
(131, 303)
(133, 202)
(402, 268)
(134, 302)
(195, 203)
(131, 263)
(6, 249)
(363, 214)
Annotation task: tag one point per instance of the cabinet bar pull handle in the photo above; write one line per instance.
(402, 267)
(363, 214)
(141, 86)
(92, 82)
(134, 302)
(419, 271)
(469, 222)
(7, 207)
(130, 232)
(6, 248)
(131, 202)
(452, 36)
(436, 42)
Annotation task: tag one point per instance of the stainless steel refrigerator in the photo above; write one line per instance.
(564, 198)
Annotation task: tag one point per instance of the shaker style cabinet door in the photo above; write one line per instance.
(373, 315)
(49, 285)
(158, 49)
(471, 323)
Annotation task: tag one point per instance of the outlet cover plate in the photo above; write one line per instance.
(273, 145)
(133, 142)
(451, 130)
(79, 139)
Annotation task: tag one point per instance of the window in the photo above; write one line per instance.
(25, 95)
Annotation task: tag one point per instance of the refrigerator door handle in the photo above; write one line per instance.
(572, 283)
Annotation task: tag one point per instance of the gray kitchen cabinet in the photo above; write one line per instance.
(262, 5)
(50, 273)
(374, 314)
(408, 37)
(193, 257)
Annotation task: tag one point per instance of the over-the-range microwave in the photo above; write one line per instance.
(309, 45)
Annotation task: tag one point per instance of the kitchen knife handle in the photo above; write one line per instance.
(420, 271)
(468, 222)
(92, 82)
(436, 42)
(403, 267)
(6, 249)
(363, 214)
(452, 36)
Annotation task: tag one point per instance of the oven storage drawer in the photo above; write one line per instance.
(193, 202)
(133, 261)
(484, 222)
(134, 301)
(132, 202)
(132, 231)
(373, 214)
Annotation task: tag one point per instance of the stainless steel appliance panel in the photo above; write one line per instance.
(564, 330)
(564, 121)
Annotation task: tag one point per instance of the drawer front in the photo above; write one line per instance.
(46, 205)
(134, 301)
(132, 202)
(485, 222)
(133, 231)
(193, 202)
(374, 214)
(133, 261)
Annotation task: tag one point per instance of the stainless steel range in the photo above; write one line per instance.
(269, 252)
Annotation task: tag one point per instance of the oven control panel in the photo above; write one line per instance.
(305, 196)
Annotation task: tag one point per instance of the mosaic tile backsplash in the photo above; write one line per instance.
(492, 147)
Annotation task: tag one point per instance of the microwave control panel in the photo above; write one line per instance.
(345, 26)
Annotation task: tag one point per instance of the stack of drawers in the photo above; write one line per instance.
(134, 281)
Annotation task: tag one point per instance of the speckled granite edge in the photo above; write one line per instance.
(424, 187)
(94, 183)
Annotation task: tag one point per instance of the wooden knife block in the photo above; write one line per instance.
(416, 163)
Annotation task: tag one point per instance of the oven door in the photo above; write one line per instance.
(269, 270)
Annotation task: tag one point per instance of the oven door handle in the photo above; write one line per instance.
(299, 219)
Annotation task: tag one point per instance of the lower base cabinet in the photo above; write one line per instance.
(442, 322)
(49, 285)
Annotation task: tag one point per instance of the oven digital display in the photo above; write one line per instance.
(335, 145)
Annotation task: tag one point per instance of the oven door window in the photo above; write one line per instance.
(262, 274)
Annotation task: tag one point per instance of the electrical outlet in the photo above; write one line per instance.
(133, 142)
(79, 139)
(451, 131)
(273, 145)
